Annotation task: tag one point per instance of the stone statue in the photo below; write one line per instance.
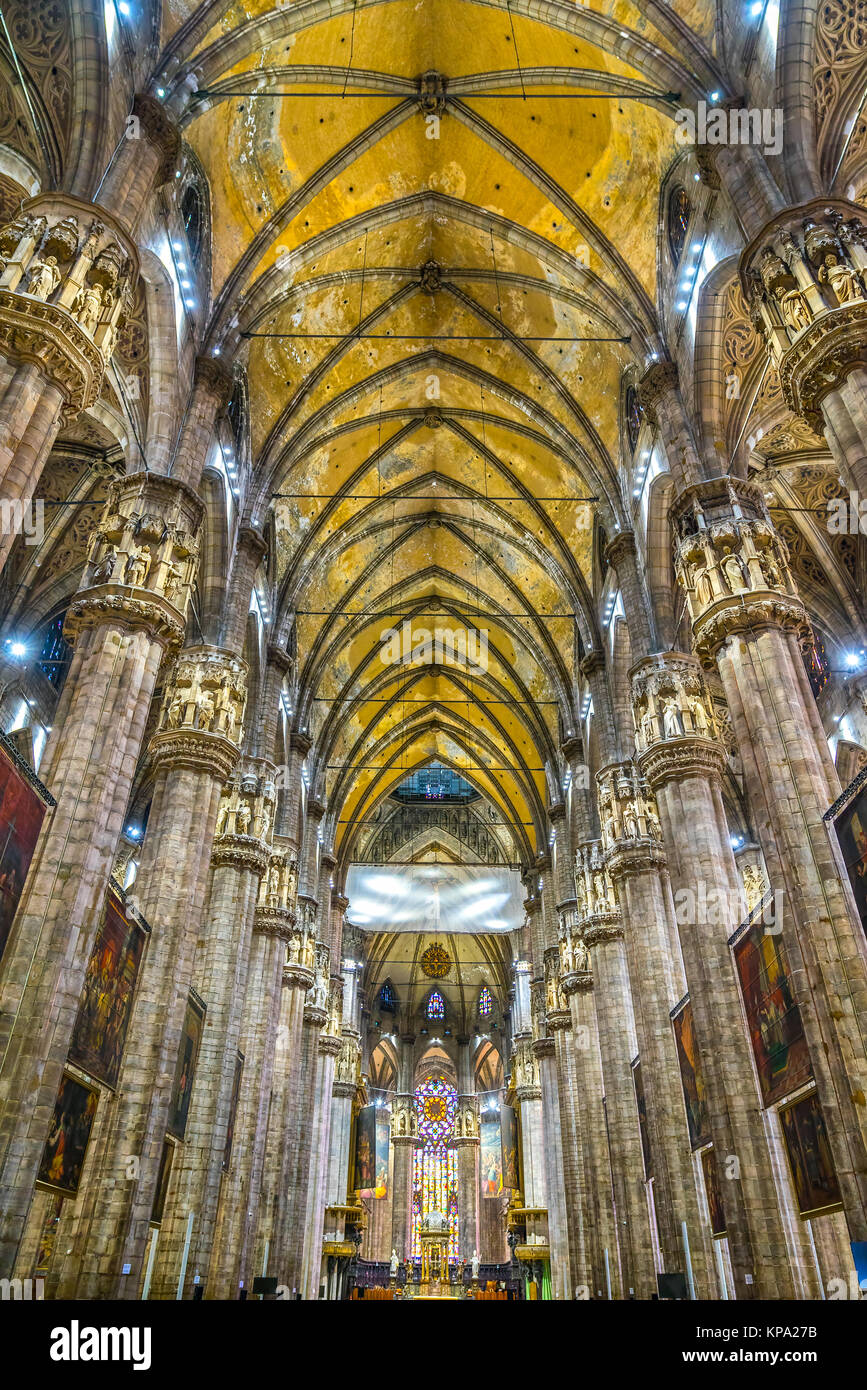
(794, 308)
(87, 307)
(843, 281)
(138, 567)
(582, 957)
(733, 571)
(173, 714)
(206, 709)
(699, 716)
(242, 818)
(174, 579)
(44, 278)
(394, 1264)
(474, 1264)
(647, 727)
(222, 817)
(105, 569)
(671, 723)
(630, 823)
(266, 819)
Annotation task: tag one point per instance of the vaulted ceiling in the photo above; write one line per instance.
(434, 245)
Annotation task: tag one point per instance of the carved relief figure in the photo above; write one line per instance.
(699, 715)
(794, 308)
(243, 817)
(105, 569)
(207, 710)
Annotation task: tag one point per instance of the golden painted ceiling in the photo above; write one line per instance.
(434, 246)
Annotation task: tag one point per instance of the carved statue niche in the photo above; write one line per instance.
(243, 816)
(734, 573)
(88, 306)
(842, 280)
(104, 568)
(700, 721)
(138, 566)
(646, 726)
(672, 726)
(630, 830)
(44, 277)
(223, 813)
(794, 308)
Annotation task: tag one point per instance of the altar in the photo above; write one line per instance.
(436, 1281)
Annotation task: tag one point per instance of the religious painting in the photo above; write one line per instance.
(713, 1189)
(185, 1068)
(23, 803)
(851, 828)
(382, 1144)
(809, 1153)
(233, 1110)
(509, 1140)
(48, 1234)
(365, 1151)
(106, 999)
(69, 1135)
(641, 1102)
(691, 1076)
(773, 1017)
(490, 1156)
(163, 1178)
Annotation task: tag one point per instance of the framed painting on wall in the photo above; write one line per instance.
(185, 1068)
(773, 1017)
(851, 828)
(69, 1135)
(713, 1188)
(690, 1075)
(813, 1174)
(107, 995)
(23, 803)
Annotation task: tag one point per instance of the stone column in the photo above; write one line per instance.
(122, 621)
(297, 980)
(193, 753)
(749, 622)
(544, 1052)
(238, 864)
(804, 276)
(601, 930)
(635, 859)
(404, 1140)
(528, 1094)
(144, 159)
(586, 1064)
(466, 1141)
(330, 1046)
(296, 1182)
(276, 949)
(682, 760)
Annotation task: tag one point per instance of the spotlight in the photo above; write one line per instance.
(18, 649)
(852, 660)
(134, 832)
(714, 96)
(161, 91)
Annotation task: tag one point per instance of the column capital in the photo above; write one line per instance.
(274, 921)
(732, 565)
(203, 705)
(631, 830)
(279, 658)
(240, 852)
(572, 748)
(557, 813)
(300, 742)
(315, 807)
(578, 982)
(161, 132)
(621, 547)
(297, 976)
(675, 725)
(660, 379)
(593, 662)
(214, 378)
(803, 276)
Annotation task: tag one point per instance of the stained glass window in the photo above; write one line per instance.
(436, 1005)
(679, 213)
(435, 1166)
(386, 998)
(486, 1002)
